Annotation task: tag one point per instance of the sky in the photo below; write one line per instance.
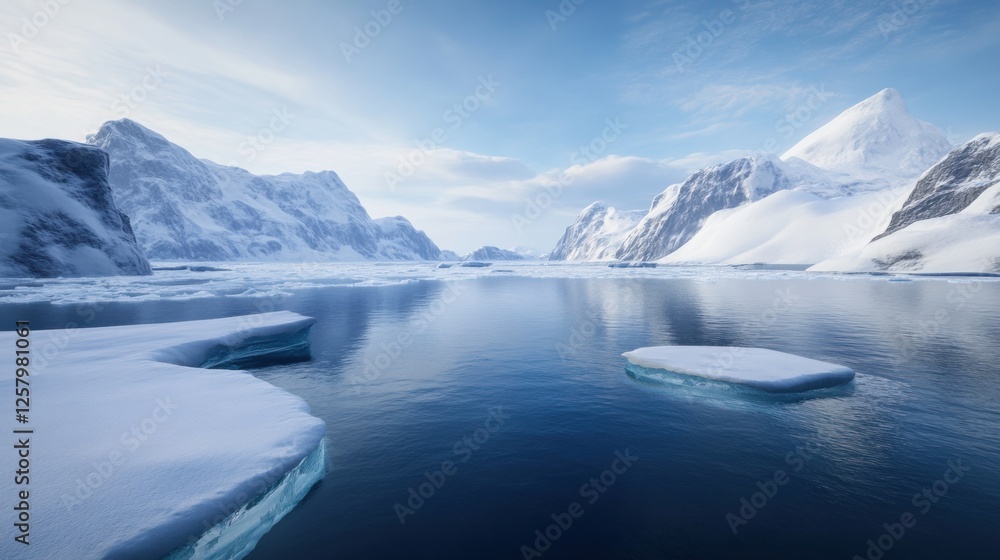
(490, 123)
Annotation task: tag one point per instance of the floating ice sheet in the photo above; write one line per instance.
(136, 452)
(760, 368)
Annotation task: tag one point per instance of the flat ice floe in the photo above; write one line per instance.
(760, 368)
(137, 452)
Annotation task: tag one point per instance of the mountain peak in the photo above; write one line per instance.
(887, 95)
(127, 127)
(137, 138)
(878, 134)
(594, 208)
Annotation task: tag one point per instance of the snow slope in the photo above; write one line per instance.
(58, 216)
(790, 227)
(185, 208)
(877, 138)
(597, 234)
(968, 241)
(139, 452)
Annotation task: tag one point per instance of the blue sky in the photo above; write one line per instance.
(652, 90)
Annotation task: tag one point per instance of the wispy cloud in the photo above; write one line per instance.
(731, 101)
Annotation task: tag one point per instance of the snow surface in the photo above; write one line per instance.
(879, 135)
(791, 227)
(760, 368)
(135, 456)
(968, 241)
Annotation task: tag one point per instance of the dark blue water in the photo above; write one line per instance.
(415, 379)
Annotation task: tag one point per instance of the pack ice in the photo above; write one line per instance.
(760, 368)
(138, 451)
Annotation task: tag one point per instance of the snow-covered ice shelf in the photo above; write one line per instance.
(137, 453)
(760, 368)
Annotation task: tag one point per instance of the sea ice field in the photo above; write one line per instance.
(489, 413)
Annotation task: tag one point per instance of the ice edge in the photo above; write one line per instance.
(836, 375)
(238, 534)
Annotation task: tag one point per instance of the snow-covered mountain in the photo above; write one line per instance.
(680, 211)
(826, 197)
(949, 223)
(877, 140)
(191, 209)
(529, 252)
(58, 215)
(398, 240)
(597, 234)
(953, 184)
(490, 253)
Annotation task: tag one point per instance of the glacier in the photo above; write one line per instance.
(758, 368)
(217, 455)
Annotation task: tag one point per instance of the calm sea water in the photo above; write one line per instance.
(504, 405)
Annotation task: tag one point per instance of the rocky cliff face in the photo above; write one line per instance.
(58, 215)
(952, 185)
(681, 210)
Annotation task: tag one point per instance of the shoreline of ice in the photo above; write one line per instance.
(237, 535)
(175, 282)
(141, 453)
